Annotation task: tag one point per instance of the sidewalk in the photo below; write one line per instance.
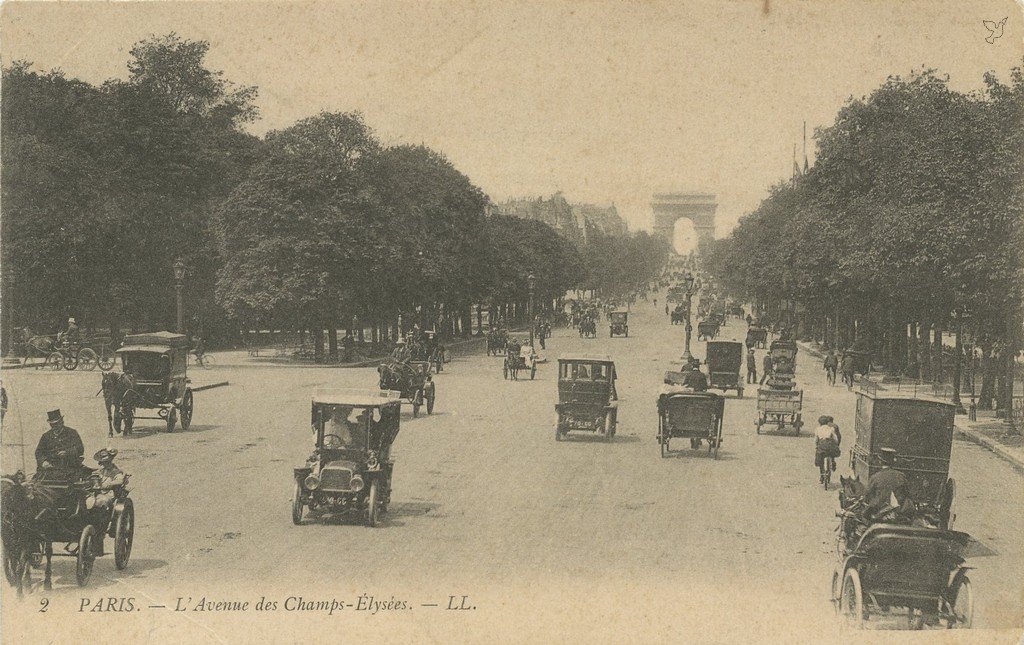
(987, 431)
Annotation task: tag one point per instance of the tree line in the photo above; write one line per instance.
(909, 224)
(318, 226)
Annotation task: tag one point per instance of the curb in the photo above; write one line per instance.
(992, 445)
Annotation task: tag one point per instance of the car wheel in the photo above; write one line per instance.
(371, 505)
(297, 505)
(124, 535)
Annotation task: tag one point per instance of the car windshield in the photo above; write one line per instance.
(346, 426)
(584, 371)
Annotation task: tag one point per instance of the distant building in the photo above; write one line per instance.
(576, 222)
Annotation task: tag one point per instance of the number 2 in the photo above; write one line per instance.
(43, 604)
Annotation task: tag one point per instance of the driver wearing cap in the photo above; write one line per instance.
(886, 484)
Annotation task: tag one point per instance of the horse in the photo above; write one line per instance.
(394, 375)
(23, 503)
(118, 394)
(853, 490)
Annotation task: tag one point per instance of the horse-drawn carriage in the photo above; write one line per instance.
(757, 337)
(697, 416)
(64, 508)
(153, 377)
(783, 353)
(350, 469)
(619, 325)
(678, 315)
(724, 359)
(413, 382)
(587, 398)
(707, 329)
(523, 360)
(781, 408)
(588, 327)
(58, 352)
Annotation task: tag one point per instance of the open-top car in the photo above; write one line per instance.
(587, 399)
(350, 469)
(619, 325)
(154, 377)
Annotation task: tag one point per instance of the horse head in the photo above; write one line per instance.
(852, 490)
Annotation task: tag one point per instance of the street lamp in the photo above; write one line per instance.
(179, 284)
(531, 282)
(687, 356)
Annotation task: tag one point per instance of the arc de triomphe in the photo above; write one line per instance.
(697, 207)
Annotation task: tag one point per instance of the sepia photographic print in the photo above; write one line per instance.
(552, 321)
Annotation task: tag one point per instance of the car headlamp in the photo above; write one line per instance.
(356, 483)
(312, 482)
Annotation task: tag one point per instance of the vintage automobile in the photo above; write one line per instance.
(154, 366)
(50, 509)
(412, 380)
(619, 324)
(783, 353)
(587, 399)
(781, 408)
(724, 360)
(350, 469)
(917, 569)
(920, 430)
(697, 416)
(757, 337)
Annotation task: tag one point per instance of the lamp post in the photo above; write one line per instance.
(959, 314)
(179, 285)
(687, 356)
(531, 282)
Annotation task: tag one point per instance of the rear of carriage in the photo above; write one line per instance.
(724, 359)
(690, 415)
(920, 430)
(158, 365)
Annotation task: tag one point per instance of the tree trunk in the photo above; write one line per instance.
(318, 344)
(923, 363)
(332, 341)
(988, 380)
(480, 318)
(937, 371)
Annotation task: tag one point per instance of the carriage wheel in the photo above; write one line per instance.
(431, 395)
(124, 534)
(851, 602)
(417, 401)
(54, 361)
(962, 604)
(609, 426)
(297, 506)
(533, 371)
(107, 359)
(188, 404)
(70, 361)
(87, 359)
(371, 505)
(172, 417)
(86, 555)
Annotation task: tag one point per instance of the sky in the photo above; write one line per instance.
(608, 102)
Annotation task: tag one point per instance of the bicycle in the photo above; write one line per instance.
(203, 360)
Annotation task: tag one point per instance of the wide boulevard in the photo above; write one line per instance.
(530, 536)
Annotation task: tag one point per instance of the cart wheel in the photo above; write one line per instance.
(107, 359)
(371, 505)
(172, 418)
(851, 603)
(962, 603)
(124, 535)
(55, 361)
(609, 425)
(86, 555)
(87, 359)
(187, 406)
(70, 361)
(533, 371)
(430, 400)
(297, 506)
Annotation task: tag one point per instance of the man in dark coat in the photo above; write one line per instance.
(769, 367)
(60, 447)
(695, 380)
(885, 484)
(751, 367)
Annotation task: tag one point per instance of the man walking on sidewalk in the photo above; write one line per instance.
(751, 367)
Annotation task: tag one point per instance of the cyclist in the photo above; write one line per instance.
(826, 447)
(831, 365)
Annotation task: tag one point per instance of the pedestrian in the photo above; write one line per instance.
(831, 364)
(751, 367)
(848, 368)
(749, 320)
(768, 366)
